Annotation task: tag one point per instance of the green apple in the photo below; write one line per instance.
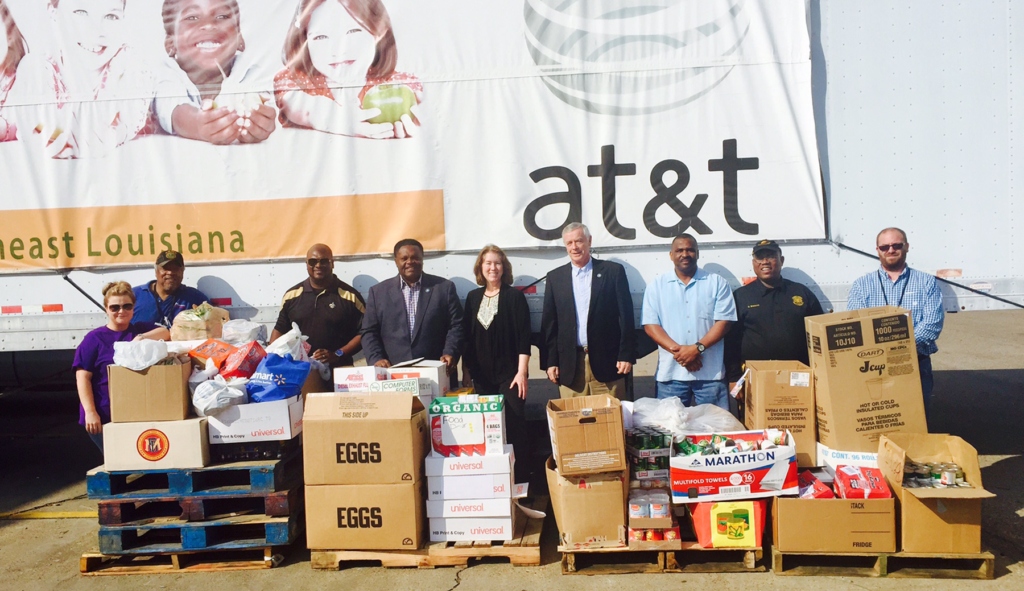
(393, 100)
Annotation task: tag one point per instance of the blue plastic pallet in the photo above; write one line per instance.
(261, 476)
(231, 533)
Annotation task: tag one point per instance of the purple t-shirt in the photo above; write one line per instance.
(94, 354)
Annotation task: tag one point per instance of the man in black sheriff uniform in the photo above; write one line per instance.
(327, 310)
(770, 315)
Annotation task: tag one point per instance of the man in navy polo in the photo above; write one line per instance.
(161, 300)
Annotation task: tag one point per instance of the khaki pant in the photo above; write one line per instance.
(584, 383)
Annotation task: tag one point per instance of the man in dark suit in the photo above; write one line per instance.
(587, 326)
(413, 315)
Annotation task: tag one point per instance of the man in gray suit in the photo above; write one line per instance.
(413, 315)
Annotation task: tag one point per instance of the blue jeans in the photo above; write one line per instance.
(696, 392)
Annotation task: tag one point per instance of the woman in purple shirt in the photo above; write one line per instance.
(96, 352)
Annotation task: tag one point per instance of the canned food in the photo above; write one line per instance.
(639, 507)
(659, 506)
(643, 441)
(948, 477)
(636, 535)
(654, 535)
(671, 533)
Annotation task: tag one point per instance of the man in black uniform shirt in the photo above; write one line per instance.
(327, 310)
(770, 315)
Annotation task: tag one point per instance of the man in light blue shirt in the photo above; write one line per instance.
(687, 313)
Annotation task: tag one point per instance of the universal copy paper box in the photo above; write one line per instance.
(461, 529)
(590, 510)
(434, 372)
(866, 376)
(157, 393)
(938, 520)
(470, 465)
(365, 516)
(834, 525)
(834, 458)
(156, 445)
(358, 379)
(586, 435)
(469, 508)
(279, 420)
(480, 486)
(363, 438)
(742, 475)
(780, 395)
(467, 425)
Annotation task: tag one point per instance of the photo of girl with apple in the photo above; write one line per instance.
(12, 49)
(201, 92)
(77, 92)
(339, 76)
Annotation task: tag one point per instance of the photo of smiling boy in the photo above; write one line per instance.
(12, 49)
(201, 92)
(84, 83)
(339, 75)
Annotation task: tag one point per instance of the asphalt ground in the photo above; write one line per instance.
(44, 455)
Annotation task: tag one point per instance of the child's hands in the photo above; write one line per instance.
(216, 126)
(258, 125)
(410, 123)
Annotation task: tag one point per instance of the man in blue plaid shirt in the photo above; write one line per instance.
(896, 284)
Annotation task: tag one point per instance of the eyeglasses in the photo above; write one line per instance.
(895, 246)
(321, 262)
(115, 308)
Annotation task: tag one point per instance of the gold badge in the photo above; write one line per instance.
(798, 301)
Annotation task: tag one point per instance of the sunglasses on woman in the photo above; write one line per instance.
(115, 308)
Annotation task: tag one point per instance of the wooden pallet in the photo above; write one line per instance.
(891, 565)
(221, 480)
(177, 535)
(96, 564)
(691, 559)
(142, 511)
(523, 550)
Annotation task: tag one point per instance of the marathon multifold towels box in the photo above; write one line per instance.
(358, 379)
(480, 486)
(834, 525)
(590, 510)
(780, 395)
(435, 466)
(435, 372)
(935, 520)
(866, 376)
(278, 420)
(587, 435)
(419, 387)
(364, 438)
(156, 445)
(468, 425)
(834, 458)
(739, 475)
(157, 393)
(365, 516)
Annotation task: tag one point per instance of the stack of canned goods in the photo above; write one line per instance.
(649, 438)
(933, 475)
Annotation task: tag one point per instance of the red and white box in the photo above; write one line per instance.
(469, 508)
(813, 488)
(357, 379)
(858, 482)
(480, 486)
(741, 475)
(467, 425)
(242, 363)
(435, 372)
(468, 466)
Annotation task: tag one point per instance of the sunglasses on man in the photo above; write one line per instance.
(897, 246)
(320, 262)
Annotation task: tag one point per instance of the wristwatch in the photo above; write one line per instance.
(700, 347)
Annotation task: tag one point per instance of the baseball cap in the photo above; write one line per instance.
(766, 245)
(170, 257)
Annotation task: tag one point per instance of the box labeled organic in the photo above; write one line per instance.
(467, 425)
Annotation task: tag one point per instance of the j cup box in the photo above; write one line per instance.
(741, 475)
(467, 425)
(434, 372)
(357, 379)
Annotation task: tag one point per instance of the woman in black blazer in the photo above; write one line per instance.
(497, 336)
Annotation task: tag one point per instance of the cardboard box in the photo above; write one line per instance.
(363, 438)
(315, 383)
(419, 387)
(467, 425)
(434, 372)
(157, 393)
(736, 524)
(156, 445)
(866, 376)
(744, 475)
(358, 379)
(590, 510)
(587, 435)
(834, 525)
(938, 520)
(472, 465)
(481, 486)
(365, 516)
(463, 529)
(279, 420)
(835, 458)
(780, 395)
(212, 349)
(469, 508)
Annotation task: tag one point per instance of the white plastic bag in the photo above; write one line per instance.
(239, 332)
(291, 343)
(182, 347)
(139, 355)
(708, 418)
(202, 375)
(213, 396)
(322, 368)
(668, 413)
